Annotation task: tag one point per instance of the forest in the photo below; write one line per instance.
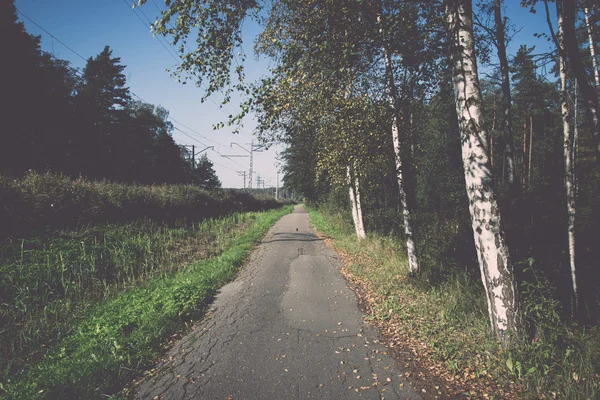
(84, 123)
(104, 221)
(412, 120)
(407, 120)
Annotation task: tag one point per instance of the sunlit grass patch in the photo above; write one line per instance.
(102, 344)
(447, 322)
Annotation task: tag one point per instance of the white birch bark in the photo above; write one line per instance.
(411, 247)
(506, 96)
(361, 226)
(352, 198)
(574, 147)
(355, 203)
(492, 252)
(568, 154)
(592, 50)
(568, 11)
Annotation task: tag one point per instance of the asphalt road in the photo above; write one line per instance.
(287, 328)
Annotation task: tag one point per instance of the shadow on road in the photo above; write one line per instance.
(293, 237)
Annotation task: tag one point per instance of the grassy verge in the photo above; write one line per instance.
(44, 203)
(447, 324)
(104, 344)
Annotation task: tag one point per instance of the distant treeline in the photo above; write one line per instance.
(50, 201)
(82, 123)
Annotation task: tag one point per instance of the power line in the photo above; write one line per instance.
(177, 57)
(191, 137)
(133, 9)
(138, 96)
(197, 133)
(214, 162)
(51, 35)
(211, 97)
(204, 144)
(196, 140)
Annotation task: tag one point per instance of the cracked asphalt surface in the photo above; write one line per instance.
(287, 328)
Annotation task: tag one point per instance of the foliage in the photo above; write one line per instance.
(327, 96)
(447, 321)
(41, 202)
(205, 174)
(85, 124)
(70, 345)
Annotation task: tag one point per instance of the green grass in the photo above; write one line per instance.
(37, 203)
(448, 323)
(91, 347)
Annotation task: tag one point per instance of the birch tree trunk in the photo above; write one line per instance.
(592, 50)
(492, 134)
(361, 226)
(354, 193)
(568, 154)
(566, 9)
(575, 137)
(506, 95)
(496, 269)
(411, 247)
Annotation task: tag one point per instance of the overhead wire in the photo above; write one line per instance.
(211, 97)
(138, 96)
(133, 9)
(51, 35)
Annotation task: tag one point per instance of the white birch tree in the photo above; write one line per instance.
(411, 247)
(492, 252)
(568, 151)
(506, 95)
(354, 193)
(575, 65)
(592, 50)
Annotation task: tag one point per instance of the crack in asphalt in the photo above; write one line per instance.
(214, 365)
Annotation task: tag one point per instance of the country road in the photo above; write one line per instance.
(287, 328)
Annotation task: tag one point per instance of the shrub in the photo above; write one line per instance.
(50, 201)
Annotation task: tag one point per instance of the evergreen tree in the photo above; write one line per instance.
(205, 175)
(19, 91)
(101, 100)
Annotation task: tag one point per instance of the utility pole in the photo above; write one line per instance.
(243, 173)
(258, 181)
(194, 153)
(253, 148)
(277, 186)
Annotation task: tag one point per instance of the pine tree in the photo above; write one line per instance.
(101, 100)
(20, 68)
(205, 174)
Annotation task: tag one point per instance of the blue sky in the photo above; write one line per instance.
(87, 26)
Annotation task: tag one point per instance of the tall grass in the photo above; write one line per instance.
(47, 283)
(68, 246)
(82, 313)
(447, 321)
(42, 202)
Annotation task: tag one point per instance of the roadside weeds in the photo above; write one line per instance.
(443, 359)
(120, 338)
